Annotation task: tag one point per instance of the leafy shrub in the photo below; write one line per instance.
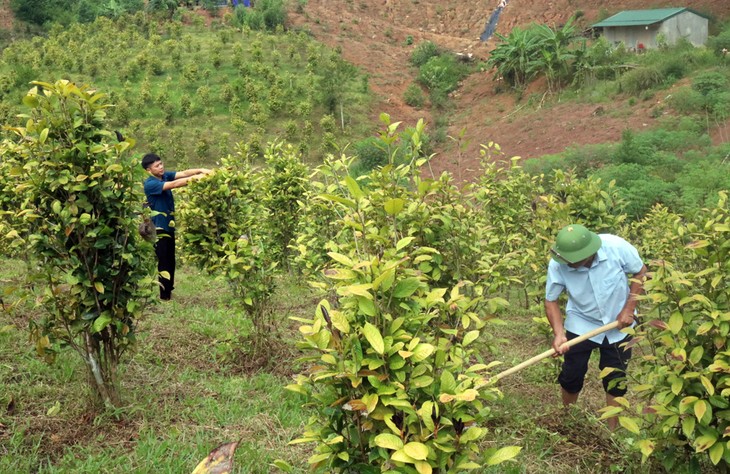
(681, 414)
(226, 233)
(423, 52)
(641, 79)
(40, 12)
(80, 199)
(284, 184)
(638, 189)
(414, 96)
(371, 153)
(717, 43)
(442, 73)
(687, 101)
(710, 82)
(265, 15)
(395, 387)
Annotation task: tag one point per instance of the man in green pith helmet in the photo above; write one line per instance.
(602, 275)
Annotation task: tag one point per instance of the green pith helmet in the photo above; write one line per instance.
(575, 243)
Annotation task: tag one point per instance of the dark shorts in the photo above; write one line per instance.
(575, 365)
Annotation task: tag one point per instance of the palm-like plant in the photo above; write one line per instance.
(540, 49)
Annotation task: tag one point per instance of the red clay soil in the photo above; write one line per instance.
(372, 34)
(6, 17)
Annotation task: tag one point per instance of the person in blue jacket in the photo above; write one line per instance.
(158, 189)
(602, 275)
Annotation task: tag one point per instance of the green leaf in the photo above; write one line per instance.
(406, 287)
(318, 458)
(502, 455)
(688, 427)
(418, 451)
(421, 352)
(704, 442)
(353, 187)
(296, 388)
(101, 322)
(54, 410)
(344, 201)
(385, 279)
(373, 336)
(676, 322)
(700, 408)
(401, 456)
(362, 289)
(99, 287)
(366, 306)
(403, 242)
(708, 385)
(44, 135)
(394, 206)
(448, 383)
(629, 424)
(471, 434)
(339, 320)
(716, 452)
(470, 337)
(388, 441)
(283, 466)
(696, 355)
(343, 259)
(422, 381)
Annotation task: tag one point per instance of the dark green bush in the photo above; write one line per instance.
(710, 82)
(639, 189)
(265, 14)
(423, 52)
(722, 41)
(40, 12)
(371, 153)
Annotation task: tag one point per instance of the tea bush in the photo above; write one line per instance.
(681, 417)
(79, 199)
(394, 384)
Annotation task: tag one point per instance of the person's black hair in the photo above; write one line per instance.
(148, 159)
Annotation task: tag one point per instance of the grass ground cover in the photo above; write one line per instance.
(186, 392)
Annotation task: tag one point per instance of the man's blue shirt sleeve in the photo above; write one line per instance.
(554, 285)
(631, 262)
(153, 187)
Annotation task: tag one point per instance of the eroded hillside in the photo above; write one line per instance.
(372, 35)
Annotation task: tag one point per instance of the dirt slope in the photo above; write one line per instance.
(372, 34)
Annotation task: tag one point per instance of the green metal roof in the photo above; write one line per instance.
(642, 17)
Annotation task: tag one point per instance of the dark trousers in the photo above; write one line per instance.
(575, 365)
(165, 250)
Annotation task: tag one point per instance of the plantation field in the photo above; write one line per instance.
(349, 280)
(187, 391)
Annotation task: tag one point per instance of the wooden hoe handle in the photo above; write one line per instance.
(551, 352)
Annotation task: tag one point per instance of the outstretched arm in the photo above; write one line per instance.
(191, 172)
(626, 317)
(182, 178)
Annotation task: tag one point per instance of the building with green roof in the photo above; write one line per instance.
(643, 28)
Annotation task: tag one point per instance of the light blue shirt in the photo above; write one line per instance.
(596, 295)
